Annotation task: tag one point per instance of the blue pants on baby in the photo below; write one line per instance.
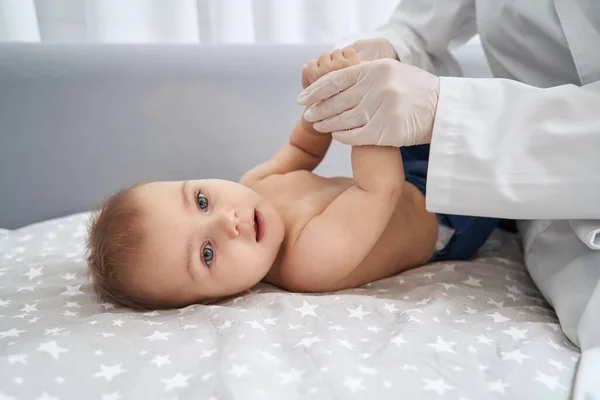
(470, 233)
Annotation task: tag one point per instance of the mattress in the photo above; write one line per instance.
(461, 330)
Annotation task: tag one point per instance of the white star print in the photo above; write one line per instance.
(239, 370)
(98, 352)
(71, 304)
(398, 340)
(11, 333)
(471, 349)
(70, 313)
(158, 335)
(34, 273)
(412, 318)
(555, 346)
(470, 310)
(516, 333)
(457, 368)
(226, 324)
(391, 307)
(423, 302)
(159, 361)
(515, 355)
(439, 385)
(558, 364)
(206, 377)
(208, 353)
(53, 331)
(513, 289)
(23, 288)
(256, 325)
(151, 313)
(269, 356)
(112, 396)
(366, 355)
(472, 281)
(428, 275)
(336, 328)
(21, 316)
(498, 304)
(373, 328)
(270, 321)
(177, 381)
(307, 342)
(447, 285)
(70, 277)
(307, 309)
(441, 345)
(29, 308)
(294, 327)
(357, 312)
(460, 321)
(366, 370)
(72, 290)
(17, 358)
(483, 339)
(436, 319)
(107, 334)
(498, 317)
(292, 376)
(346, 344)
(353, 384)
(52, 348)
(407, 367)
(46, 396)
(512, 297)
(551, 382)
(497, 386)
(109, 372)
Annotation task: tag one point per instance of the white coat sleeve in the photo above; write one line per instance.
(505, 149)
(424, 31)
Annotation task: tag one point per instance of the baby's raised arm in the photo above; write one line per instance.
(333, 244)
(306, 147)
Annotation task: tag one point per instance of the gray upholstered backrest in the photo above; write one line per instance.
(80, 122)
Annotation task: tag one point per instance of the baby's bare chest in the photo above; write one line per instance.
(299, 196)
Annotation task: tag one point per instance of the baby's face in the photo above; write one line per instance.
(204, 240)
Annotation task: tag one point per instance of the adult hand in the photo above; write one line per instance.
(382, 102)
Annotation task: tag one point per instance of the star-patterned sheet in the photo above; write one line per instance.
(469, 330)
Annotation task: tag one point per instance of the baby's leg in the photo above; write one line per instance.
(327, 62)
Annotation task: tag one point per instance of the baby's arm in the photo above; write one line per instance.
(306, 147)
(333, 244)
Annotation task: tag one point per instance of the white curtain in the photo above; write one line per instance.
(189, 21)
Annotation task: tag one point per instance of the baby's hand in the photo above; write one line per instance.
(328, 62)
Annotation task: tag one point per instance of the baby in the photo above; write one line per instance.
(172, 244)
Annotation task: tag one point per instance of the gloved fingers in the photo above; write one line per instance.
(346, 100)
(348, 137)
(330, 84)
(350, 119)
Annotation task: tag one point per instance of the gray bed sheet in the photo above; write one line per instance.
(462, 330)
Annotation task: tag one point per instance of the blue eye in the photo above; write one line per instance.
(202, 201)
(207, 254)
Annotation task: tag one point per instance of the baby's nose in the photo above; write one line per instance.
(229, 223)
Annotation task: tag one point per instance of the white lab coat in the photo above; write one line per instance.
(526, 146)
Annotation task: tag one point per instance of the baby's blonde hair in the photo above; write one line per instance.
(115, 238)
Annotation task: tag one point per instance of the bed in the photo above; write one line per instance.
(78, 122)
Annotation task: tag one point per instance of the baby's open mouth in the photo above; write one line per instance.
(259, 226)
(255, 226)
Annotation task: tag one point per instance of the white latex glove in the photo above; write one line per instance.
(382, 102)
